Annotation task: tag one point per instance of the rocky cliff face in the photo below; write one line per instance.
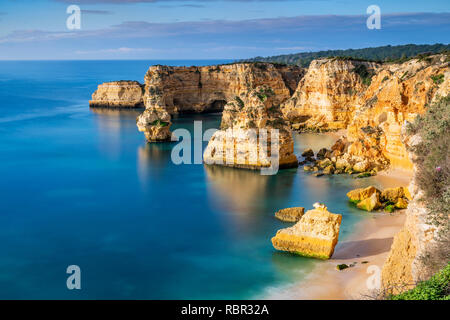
(404, 266)
(398, 92)
(247, 139)
(118, 94)
(370, 100)
(328, 94)
(208, 89)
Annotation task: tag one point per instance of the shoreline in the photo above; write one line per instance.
(371, 242)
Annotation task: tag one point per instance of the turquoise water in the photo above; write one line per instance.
(81, 186)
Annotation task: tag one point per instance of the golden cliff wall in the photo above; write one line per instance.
(209, 88)
(398, 93)
(371, 101)
(328, 94)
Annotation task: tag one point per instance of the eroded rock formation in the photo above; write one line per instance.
(314, 235)
(290, 214)
(118, 94)
(253, 134)
(328, 94)
(155, 123)
(398, 93)
(209, 88)
(372, 101)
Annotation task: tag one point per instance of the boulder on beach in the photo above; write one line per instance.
(324, 163)
(362, 193)
(290, 214)
(314, 235)
(371, 203)
(308, 153)
(393, 194)
(329, 169)
(371, 198)
(401, 203)
(361, 166)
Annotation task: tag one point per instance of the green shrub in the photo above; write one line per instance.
(159, 123)
(436, 288)
(239, 101)
(438, 79)
(364, 73)
(389, 208)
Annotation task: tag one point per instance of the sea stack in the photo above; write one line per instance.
(315, 235)
(118, 94)
(155, 123)
(253, 134)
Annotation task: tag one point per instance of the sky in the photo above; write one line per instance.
(211, 29)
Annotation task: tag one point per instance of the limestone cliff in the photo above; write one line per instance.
(328, 94)
(209, 88)
(398, 93)
(253, 133)
(118, 94)
(370, 100)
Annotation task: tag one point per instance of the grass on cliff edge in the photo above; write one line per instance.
(436, 288)
(433, 175)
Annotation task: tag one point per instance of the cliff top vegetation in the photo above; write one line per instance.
(376, 54)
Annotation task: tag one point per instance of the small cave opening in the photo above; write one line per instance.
(217, 106)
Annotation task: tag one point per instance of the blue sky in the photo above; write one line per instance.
(211, 29)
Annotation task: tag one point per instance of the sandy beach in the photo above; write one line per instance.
(366, 249)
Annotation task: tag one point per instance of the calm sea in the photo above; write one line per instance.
(82, 187)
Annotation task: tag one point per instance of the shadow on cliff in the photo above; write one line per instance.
(362, 248)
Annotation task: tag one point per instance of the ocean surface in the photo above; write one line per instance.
(82, 187)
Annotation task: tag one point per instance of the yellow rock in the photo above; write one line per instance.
(253, 134)
(315, 235)
(362, 193)
(393, 194)
(290, 214)
(401, 204)
(369, 204)
(407, 193)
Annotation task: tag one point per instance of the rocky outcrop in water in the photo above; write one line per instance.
(253, 134)
(155, 123)
(314, 235)
(290, 214)
(118, 94)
